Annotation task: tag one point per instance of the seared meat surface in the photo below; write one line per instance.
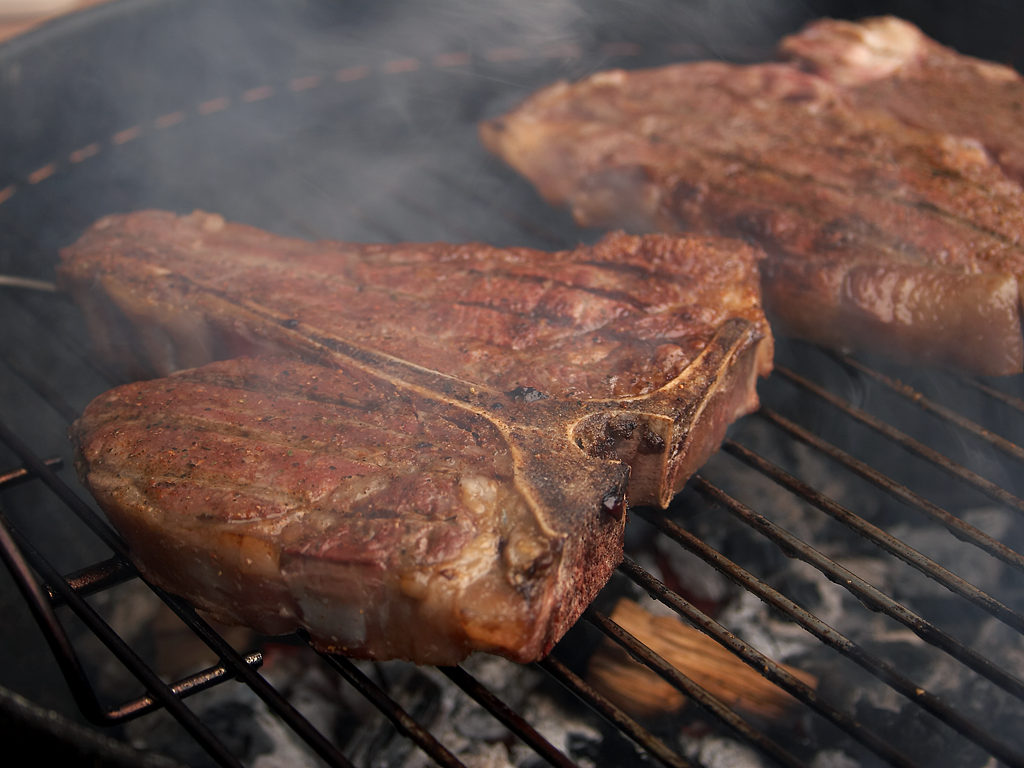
(889, 64)
(437, 456)
(879, 235)
(622, 317)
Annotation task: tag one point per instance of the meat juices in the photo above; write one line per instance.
(880, 236)
(435, 460)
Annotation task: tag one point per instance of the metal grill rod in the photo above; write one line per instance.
(996, 394)
(42, 599)
(19, 475)
(623, 722)
(866, 593)
(96, 578)
(13, 547)
(39, 469)
(873, 533)
(875, 666)
(761, 663)
(391, 709)
(990, 489)
(936, 409)
(507, 716)
(200, 681)
(234, 661)
(956, 526)
(654, 661)
(256, 682)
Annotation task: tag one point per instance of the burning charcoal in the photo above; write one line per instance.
(613, 749)
(642, 692)
(833, 758)
(239, 720)
(690, 576)
(726, 753)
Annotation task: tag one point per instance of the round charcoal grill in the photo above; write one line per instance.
(865, 527)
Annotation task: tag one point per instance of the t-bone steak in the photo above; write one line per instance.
(431, 451)
(879, 235)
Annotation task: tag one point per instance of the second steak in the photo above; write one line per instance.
(879, 236)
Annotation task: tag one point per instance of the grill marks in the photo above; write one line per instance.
(844, 159)
(492, 287)
(617, 303)
(258, 447)
(880, 236)
(875, 189)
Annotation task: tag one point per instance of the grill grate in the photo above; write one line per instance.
(62, 593)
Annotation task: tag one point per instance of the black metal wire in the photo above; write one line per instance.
(12, 554)
(604, 707)
(230, 657)
(195, 683)
(104, 575)
(93, 578)
(654, 661)
(873, 533)
(996, 394)
(984, 485)
(18, 475)
(402, 720)
(38, 468)
(511, 719)
(96, 578)
(270, 695)
(53, 632)
(898, 491)
(871, 663)
(863, 591)
(928, 405)
(761, 663)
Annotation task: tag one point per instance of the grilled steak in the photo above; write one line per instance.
(889, 64)
(440, 463)
(879, 235)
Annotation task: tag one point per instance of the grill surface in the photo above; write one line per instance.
(865, 525)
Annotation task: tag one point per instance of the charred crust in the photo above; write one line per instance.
(621, 428)
(526, 394)
(754, 224)
(649, 441)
